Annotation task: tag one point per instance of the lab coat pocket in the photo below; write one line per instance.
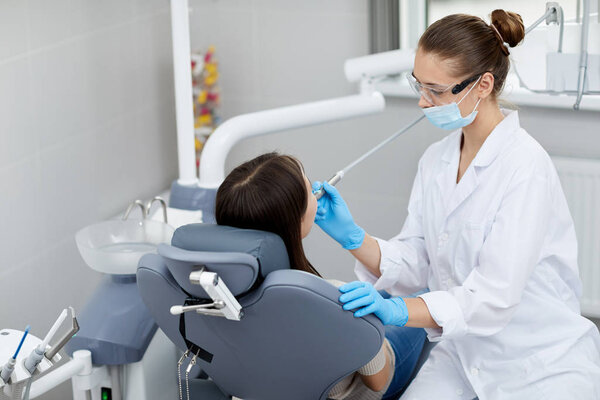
(468, 246)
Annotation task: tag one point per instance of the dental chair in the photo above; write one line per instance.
(281, 334)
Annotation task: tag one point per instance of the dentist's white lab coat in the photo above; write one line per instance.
(499, 255)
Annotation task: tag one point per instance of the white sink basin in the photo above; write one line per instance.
(116, 246)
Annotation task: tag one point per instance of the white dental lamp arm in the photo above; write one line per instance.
(379, 65)
(220, 143)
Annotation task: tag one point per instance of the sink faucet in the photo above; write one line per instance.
(163, 205)
(132, 206)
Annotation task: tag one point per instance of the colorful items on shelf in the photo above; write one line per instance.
(205, 76)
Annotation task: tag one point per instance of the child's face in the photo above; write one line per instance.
(311, 210)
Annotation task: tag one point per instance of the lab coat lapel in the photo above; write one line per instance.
(446, 182)
(446, 179)
(467, 185)
(455, 194)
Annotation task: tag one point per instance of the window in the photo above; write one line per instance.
(416, 15)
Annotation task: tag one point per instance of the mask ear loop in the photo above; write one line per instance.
(476, 104)
(469, 91)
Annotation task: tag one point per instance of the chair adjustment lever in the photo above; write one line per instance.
(217, 305)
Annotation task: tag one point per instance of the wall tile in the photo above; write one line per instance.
(213, 7)
(115, 147)
(49, 21)
(329, 7)
(317, 70)
(13, 283)
(61, 97)
(68, 191)
(156, 155)
(111, 76)
(21, 212)
(13, 28)
(71, 285)
(90, 15)
(143, 7)
(153, 55)
(19, 131)
(231, 32)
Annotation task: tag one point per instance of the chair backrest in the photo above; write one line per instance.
(294, 341)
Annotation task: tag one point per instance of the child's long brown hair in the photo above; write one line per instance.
(267, 193)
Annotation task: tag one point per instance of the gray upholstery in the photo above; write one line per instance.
(114, 338)
(238, 270)
(266, 247)
(244, 254)
(203, 389)
(294, 341)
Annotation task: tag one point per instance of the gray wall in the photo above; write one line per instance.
(86, 126)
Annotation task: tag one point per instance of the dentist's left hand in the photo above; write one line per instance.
(366, 298)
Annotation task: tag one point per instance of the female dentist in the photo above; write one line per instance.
(488, 232)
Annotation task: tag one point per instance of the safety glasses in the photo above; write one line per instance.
(438, 94)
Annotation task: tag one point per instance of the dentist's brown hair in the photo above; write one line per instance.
(472, 46)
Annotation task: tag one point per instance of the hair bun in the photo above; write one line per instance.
(509, 25)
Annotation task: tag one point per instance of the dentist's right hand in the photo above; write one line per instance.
(333, 216)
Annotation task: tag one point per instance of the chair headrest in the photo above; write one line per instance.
(241, 257)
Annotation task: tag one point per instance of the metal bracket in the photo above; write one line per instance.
(66, 337)
(554, 16)
(224, 302)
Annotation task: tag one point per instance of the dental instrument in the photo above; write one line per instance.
(21, 342)
(9, 367)
(66, 337)
(17, 375)
(53, 351)
(37, 354)
(340, 174)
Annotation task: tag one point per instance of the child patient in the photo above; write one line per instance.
(271, 193)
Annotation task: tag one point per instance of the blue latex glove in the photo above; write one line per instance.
(335, 219)
(366, 298)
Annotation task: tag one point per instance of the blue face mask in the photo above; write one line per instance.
(448, 116)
